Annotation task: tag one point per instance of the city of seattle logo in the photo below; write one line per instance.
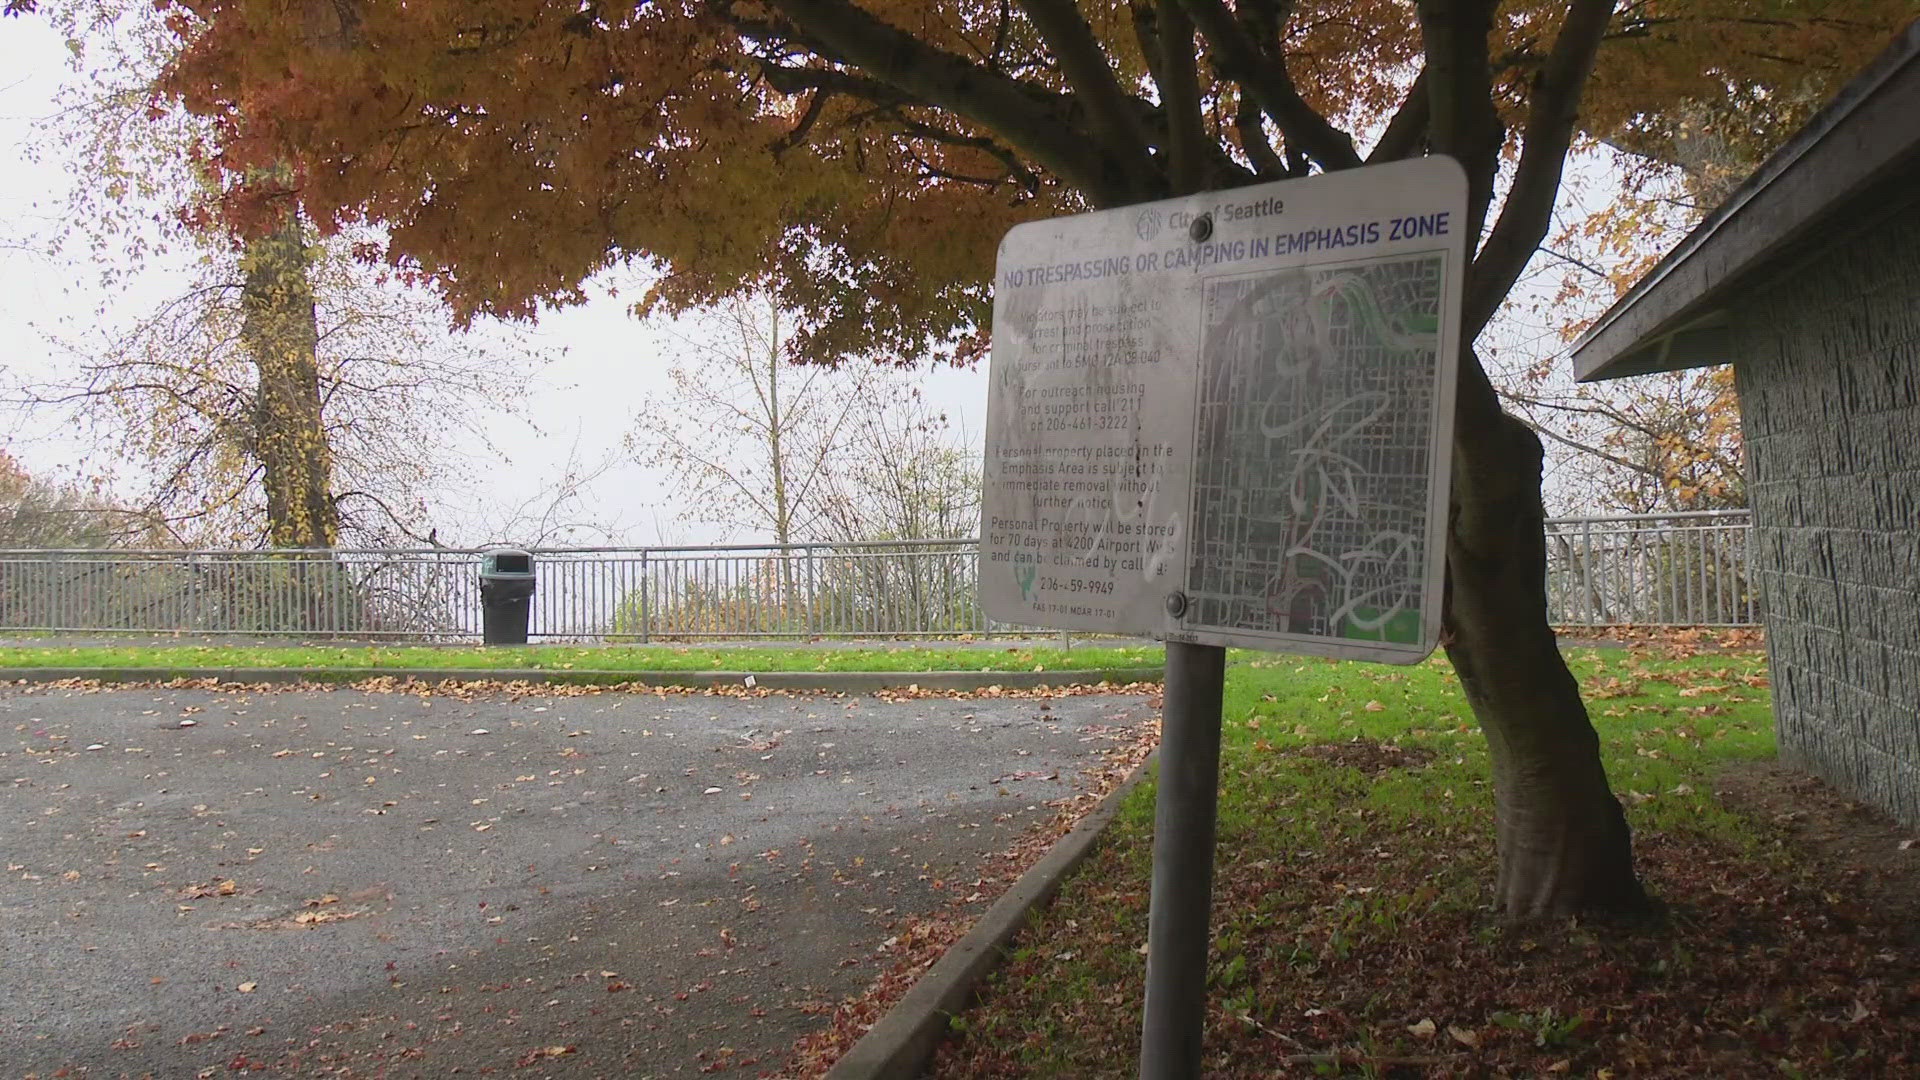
(1147, 225)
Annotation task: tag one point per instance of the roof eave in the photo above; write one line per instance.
(1661, 324)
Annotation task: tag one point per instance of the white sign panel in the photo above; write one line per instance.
(1235, 432)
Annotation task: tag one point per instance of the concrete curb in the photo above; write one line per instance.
(900, 1046)
(850, 682)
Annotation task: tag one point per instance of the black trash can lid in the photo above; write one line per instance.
(506, 563)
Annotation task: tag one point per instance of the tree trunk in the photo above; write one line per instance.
(1564, 844)
(289, 436)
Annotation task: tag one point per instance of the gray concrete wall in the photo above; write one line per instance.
(1829, 381)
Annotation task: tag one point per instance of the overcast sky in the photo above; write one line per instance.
(608, 365)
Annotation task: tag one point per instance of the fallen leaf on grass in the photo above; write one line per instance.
(1463, 1036)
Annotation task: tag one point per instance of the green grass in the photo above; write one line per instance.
(1354, 876)
(1663, 723)
(578, 658)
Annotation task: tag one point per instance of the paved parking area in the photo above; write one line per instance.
(339, 883)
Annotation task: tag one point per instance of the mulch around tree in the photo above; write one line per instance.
(1799, 956)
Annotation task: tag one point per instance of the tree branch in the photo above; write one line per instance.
(1250, 124)
(1239, 57)
(816, 103)
(1179, 80)
(1007, 158)
(1570, 260)
(1551, 119)
(1146, 33)
(1462, 121)
(1408, 128)
(1593, 451)
(1085, 67)
(996, 102)
(888, 102)
(393, 518)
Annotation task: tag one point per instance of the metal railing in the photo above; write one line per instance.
(1690, 569)
(1677, 569)
(888, 590)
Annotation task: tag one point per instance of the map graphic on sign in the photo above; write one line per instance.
(1227, 418)
(1311, 450)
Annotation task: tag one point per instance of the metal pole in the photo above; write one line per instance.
(1183, 826)
(645, 574)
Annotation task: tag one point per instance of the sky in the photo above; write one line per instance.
(606, 366)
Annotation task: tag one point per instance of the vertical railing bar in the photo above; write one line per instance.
(1672, 577)
(1700, 548)
(646, 615)
(1586, 568)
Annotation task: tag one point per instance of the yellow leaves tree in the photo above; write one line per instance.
(289, 392)
(285, 433)
(866, 155)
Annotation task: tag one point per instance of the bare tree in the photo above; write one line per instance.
(905, 472)
(748, 436)
(560, 513)
(40, 512)
(184, 399)
(905, 475)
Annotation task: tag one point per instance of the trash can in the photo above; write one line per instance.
(506, 595)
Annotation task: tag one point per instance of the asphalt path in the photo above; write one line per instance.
(347, 884)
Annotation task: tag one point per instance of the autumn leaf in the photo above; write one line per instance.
(535, 1056)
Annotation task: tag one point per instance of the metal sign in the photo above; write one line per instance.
(1226, 419)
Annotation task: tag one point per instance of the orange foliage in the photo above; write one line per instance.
(513, 148)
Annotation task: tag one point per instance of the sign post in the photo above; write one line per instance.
(1225, 420)
(1184, 812)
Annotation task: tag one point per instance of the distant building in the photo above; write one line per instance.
(1807, 279)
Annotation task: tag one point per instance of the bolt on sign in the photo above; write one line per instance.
(1226, 419)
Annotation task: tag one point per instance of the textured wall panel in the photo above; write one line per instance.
(1829, 380)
